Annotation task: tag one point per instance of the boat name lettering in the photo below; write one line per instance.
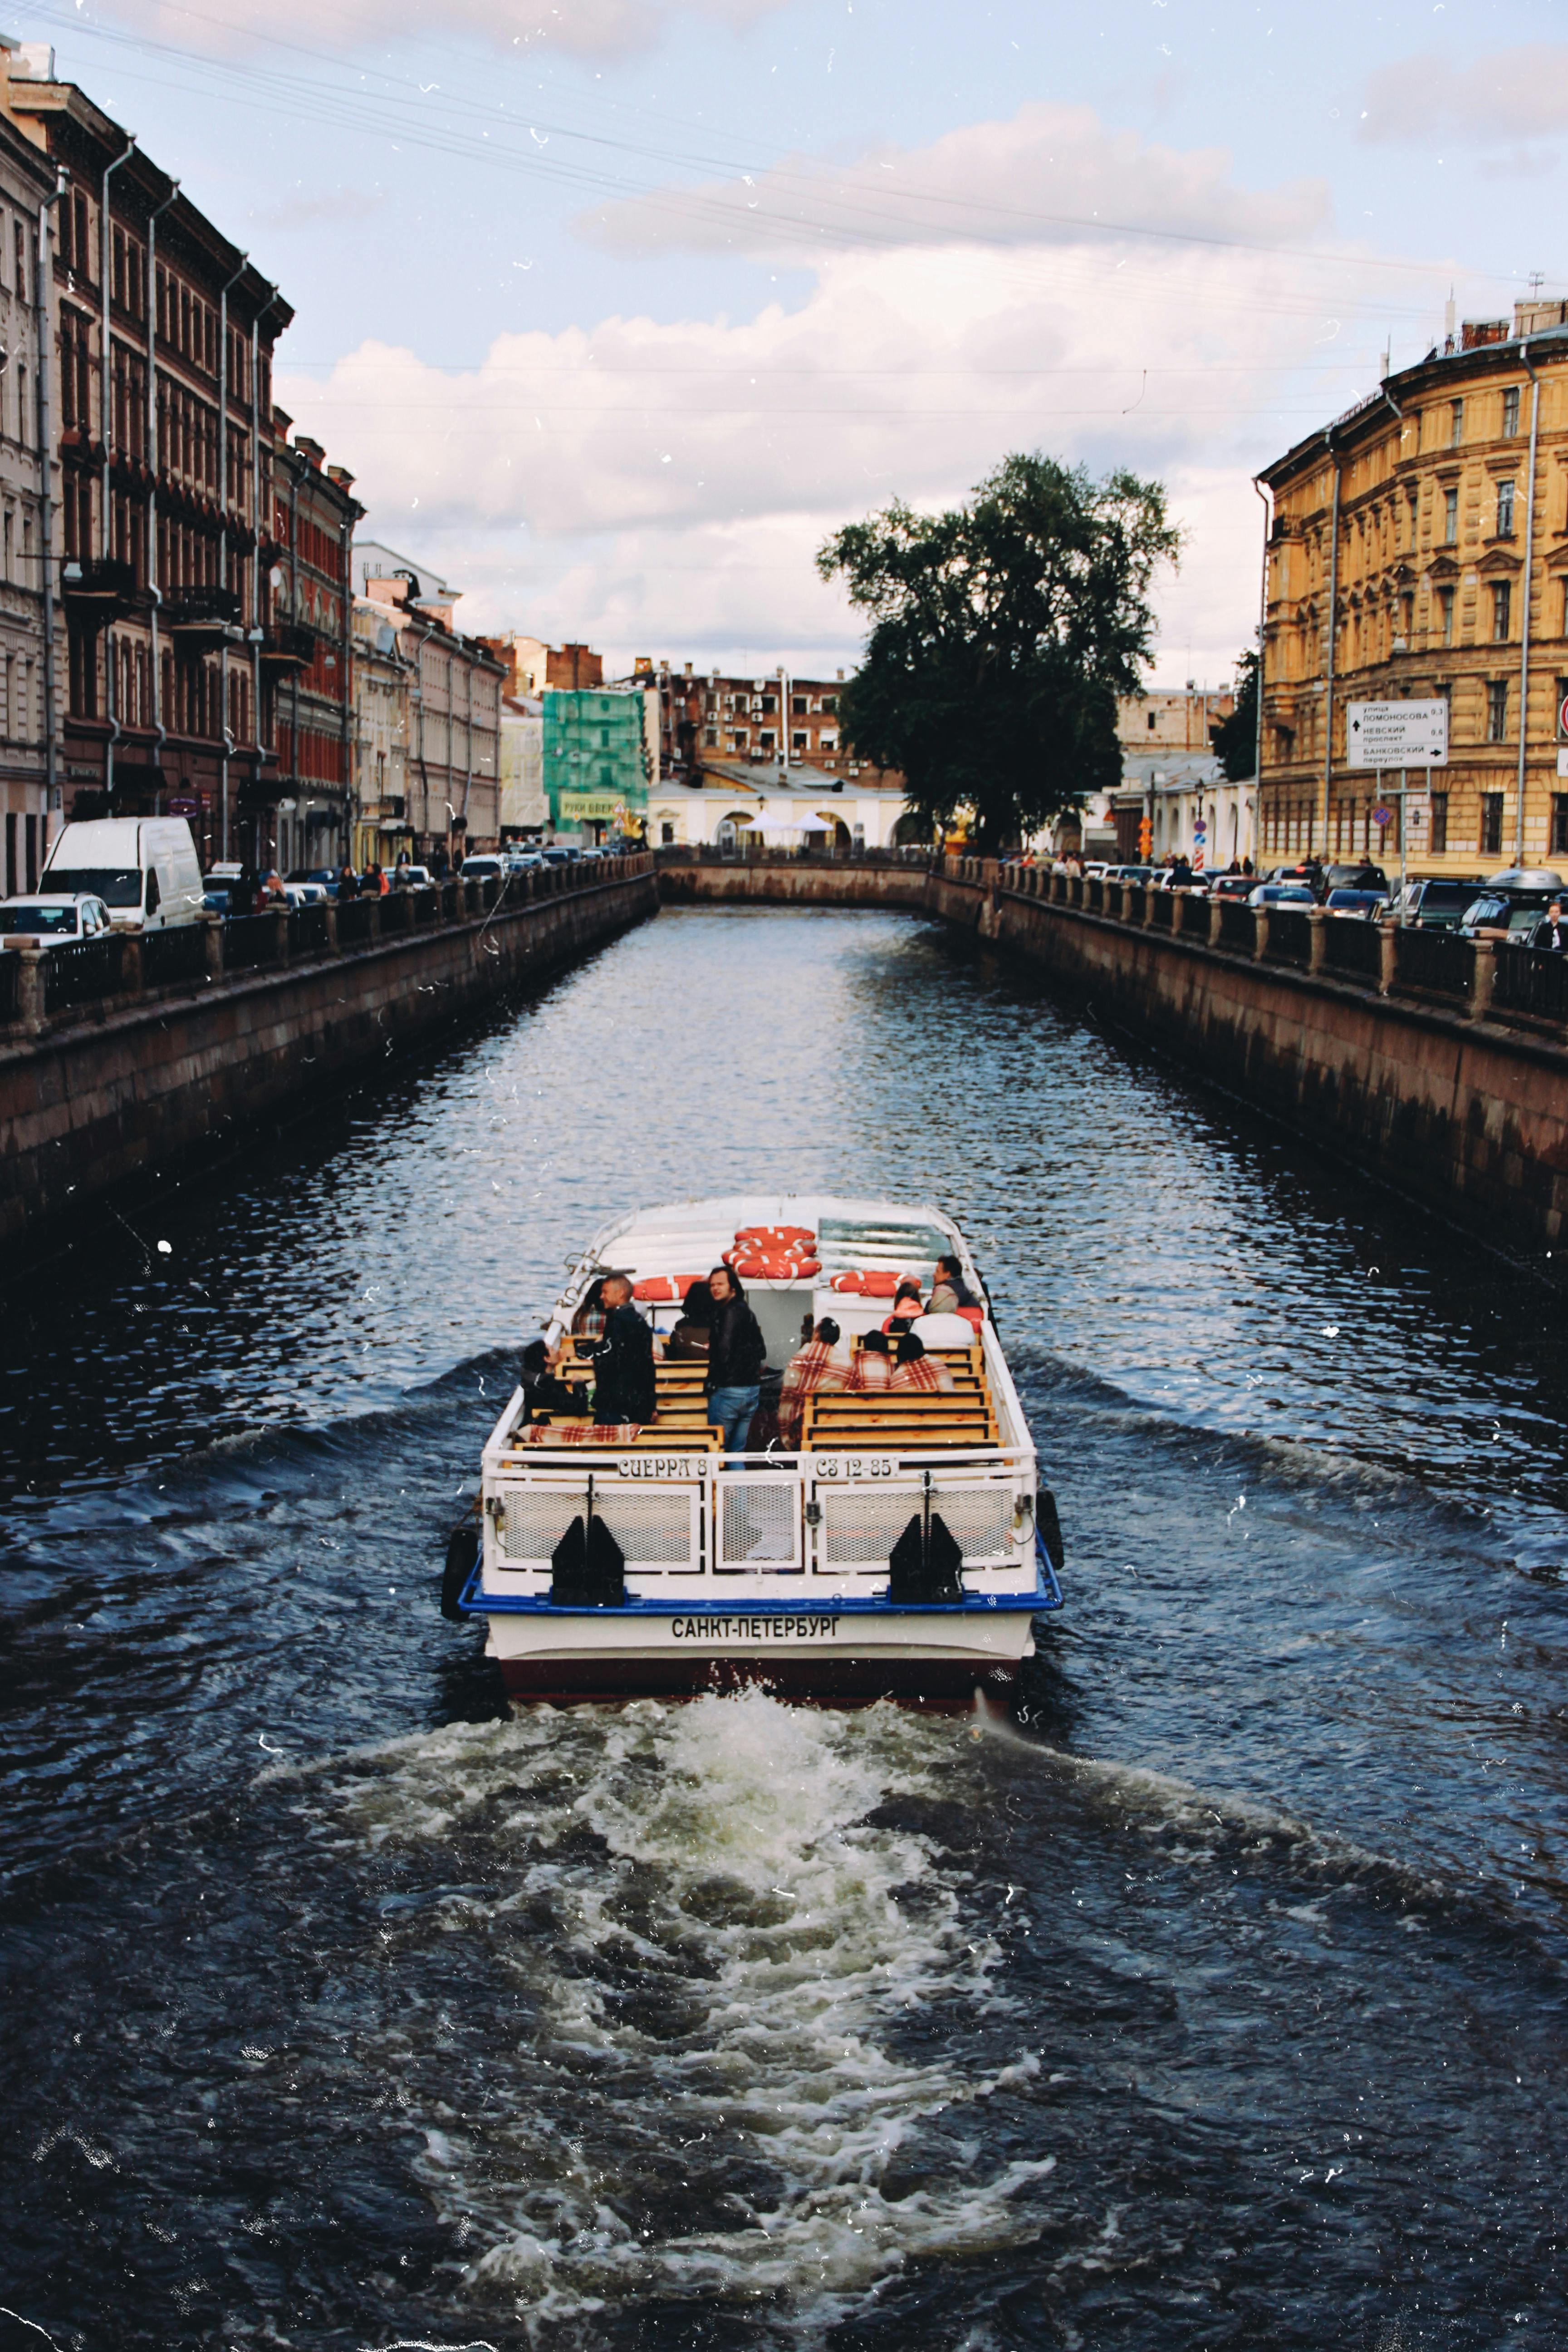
(854, 1466)
(662, 1465)
(754, 1629)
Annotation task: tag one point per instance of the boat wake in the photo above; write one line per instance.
(738, 2084)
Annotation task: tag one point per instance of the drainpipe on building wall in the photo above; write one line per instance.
(150, 438)
(469, 779)
(1333, 639)
(226, 730)
(43, 270)
(345, 685)
(1524, 625)
(429, 627)
(256, 527)
(105, 418)
(1262, 641)
(294, 618)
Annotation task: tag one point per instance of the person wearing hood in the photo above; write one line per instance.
(737, 1353)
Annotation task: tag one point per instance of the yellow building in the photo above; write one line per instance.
(1437, 509)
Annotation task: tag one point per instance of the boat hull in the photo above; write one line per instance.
(940, 1658)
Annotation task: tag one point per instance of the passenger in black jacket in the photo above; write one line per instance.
(737, 1353)
(623, 1380)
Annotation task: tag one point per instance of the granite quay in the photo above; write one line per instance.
(1439, 1064)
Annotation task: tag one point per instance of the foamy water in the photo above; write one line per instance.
(754, 2090)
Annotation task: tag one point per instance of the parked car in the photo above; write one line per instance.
(306, 894)
(1233, 886)
(1363, 906)
(1281, 894)
(483, 869)
(143, 869)
(412, 877)
(561, 855)
(50, 918)
(1128, 873)
(1302, 872)
(325, 876)
(1362, 875)
(1438, 904)
(1508, 904)
(1540, 935)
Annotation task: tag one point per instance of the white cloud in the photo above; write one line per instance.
(585, 27)
(1053, 174)
(661, 487)
(1511, 96)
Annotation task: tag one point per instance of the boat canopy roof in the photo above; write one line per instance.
(690, 1237)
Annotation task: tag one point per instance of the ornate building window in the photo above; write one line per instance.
(1501, 611)
(1496, 710)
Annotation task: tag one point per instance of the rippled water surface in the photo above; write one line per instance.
(1215, 2001)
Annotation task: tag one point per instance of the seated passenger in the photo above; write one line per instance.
(916, 1371)
(623, 1362)
(688, 1342)
(905, 1308)
(873, 1370)
(820, 1364)
(542, 1391)
(950, 1292)
(588, 1323)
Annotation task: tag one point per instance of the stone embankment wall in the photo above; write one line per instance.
(1441, 1067)
(740, 879)
(97, 1093)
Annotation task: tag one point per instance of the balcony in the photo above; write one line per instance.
(288, 644)
(100, 590)
(200, 619)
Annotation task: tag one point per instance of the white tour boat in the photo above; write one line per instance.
(901, 1548)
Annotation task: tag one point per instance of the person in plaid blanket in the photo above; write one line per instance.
(820, 1364)
(873, 1366)
(916, 1371)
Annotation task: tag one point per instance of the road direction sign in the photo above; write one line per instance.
(1396, 734)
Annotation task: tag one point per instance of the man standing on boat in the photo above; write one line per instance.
(737, 1353)
(623, 1362)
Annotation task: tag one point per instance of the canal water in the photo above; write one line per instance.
(1215, 1999)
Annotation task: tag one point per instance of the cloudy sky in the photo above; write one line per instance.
(616, 308)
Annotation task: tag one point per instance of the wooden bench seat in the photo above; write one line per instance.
(878, 1423)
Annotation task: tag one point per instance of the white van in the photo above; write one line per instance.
(144, 868)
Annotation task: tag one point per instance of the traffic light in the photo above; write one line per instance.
(1146, 836)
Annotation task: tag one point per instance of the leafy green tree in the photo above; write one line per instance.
(1235, 739)
(1002, 633)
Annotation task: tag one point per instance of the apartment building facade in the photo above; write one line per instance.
(308, 652)
(1419, 548)
(531, 665)
(29, 780)
(160, 416)
(455, 682)
(381, 683)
